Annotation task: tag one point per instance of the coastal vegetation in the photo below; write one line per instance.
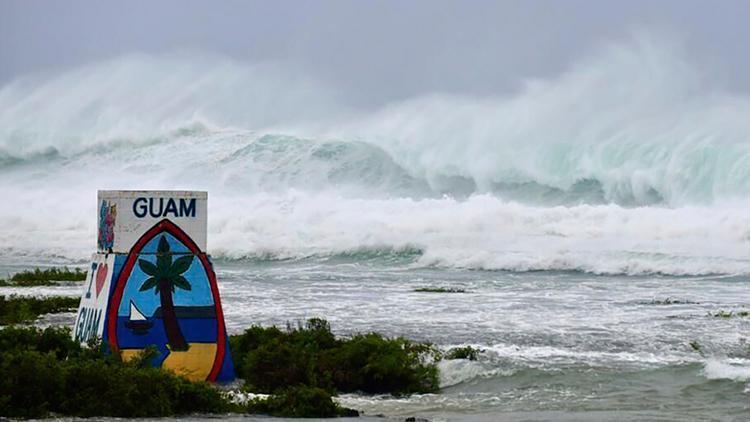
(729, 314)
(270, 359)
(299, 402)
(439, 290)
(21, 309)
(672, 301)
(45, 277)
(466, 352)
(44, 372)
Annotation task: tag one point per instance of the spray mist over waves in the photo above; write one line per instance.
(631, 162)
(138, 98)
(636, 124)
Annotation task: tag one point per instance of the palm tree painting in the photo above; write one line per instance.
(165, 277)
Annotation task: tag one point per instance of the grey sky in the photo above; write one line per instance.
(373, 51)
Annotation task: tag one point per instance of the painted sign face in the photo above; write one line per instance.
(153, 285)
(125, 215)
(107, 215)
(166, 296)
(93, 308)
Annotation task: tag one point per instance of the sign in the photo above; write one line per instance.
(162, 291)
(93, 308)
(123, 216)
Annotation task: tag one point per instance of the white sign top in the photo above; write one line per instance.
(124, 216)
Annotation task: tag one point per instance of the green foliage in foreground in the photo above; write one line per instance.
(466, 352)
(17, 309)
(270, 360)
(45, 277)
(439, 290)
(45, 372)
(299, 402)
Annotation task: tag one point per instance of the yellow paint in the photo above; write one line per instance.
(195, 363)
(128, 354)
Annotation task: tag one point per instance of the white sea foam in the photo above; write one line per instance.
(727, 369)
(489, 233)
(140, 98)
(536, 355)
(457, 371)
(241, 397)
(481, 232)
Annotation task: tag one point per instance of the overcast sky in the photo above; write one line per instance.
(375, 51)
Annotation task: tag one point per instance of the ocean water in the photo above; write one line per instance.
(556, 345)
(596, 220)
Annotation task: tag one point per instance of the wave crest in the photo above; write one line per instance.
(631, 162)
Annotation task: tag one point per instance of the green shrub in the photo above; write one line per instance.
(55, 340)
(299, 402)
(270, 360)
(373, 364)
(466, 352)
(31, 384)
(44, 277)
(17, 309)
(439, 290)
(128, 390)
(45, 371)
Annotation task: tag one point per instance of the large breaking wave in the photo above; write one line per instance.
(632, 161)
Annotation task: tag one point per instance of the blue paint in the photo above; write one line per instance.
(199, 294)
(175, 246)
(87, 324)
(227, 367)
(91, 275)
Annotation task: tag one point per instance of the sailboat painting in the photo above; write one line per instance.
(137, 322)
(166, 297)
